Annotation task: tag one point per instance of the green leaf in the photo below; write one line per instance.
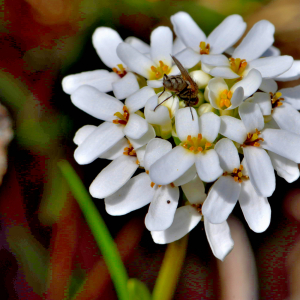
(101, 234)
(177, 141)
(137, 290)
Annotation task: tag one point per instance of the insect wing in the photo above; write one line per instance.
(185, 74)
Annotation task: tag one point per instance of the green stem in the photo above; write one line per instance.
(170, 270)
(101, 234)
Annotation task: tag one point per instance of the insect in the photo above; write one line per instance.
(182, 85)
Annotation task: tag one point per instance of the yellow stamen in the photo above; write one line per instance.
(152, 184)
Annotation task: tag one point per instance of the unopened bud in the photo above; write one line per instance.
(205, 108)
(201, 78)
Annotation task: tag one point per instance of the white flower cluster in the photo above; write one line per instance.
(236, 113)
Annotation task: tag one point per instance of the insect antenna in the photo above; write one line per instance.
(161, 102)
(191, 113)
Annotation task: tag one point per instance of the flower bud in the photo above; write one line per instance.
(206, 107)
(201, 78)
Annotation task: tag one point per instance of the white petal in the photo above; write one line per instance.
(115, 151)
(125, 86)
(99, 79)
(139, 99)
(156, 148)
(250, 83)
(140, 154)
(226, 34)
(251, 116)
(219, 238)
(271, 51)
(161, 45)
(178, 46)
(172, 165)
(113, 177)
(174, 71)
(237, 98)
(186, 177)
(136, 61)
(217, 60)
(224, 72)
(291, 74)
(208, 165)
(194, 191)
(136, 127)
(270, 67)
(83, 133)
(155, 83)
(185, 219)
(135, 194)
(264, 102)
(284, 143)
(188, 57)
(233, 128)
(228, 155)
(162, 208)
(292, 96)
(206, 68)
(188, 30)
(148, 136)
(99, 141)
(260, 170)
(209, 125)
(285, 168)
(95, 103)
(256, 42)
(268, 85)
(161, 114)
(221, 199)
(105, 41)
(138, 44)
(287, 118)
(186, 124)
(256, 209)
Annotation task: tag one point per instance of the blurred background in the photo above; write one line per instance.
(45, 243)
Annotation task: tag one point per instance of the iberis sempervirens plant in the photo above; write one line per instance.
(182, 113)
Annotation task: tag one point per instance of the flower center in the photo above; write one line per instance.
(122, 118)
(237, 174)
(276, 99)
(121, 71)
(196, 144)
(238, 65)
(158, 72)
(225, 99)
(204, 48)
(129, 151)
(198, 207)
(253, 139)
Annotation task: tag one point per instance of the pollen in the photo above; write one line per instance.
(253, 139)
(130, 151)
(225, 98)
(158, 71)
(276, 99)
(120, 70)
(204, 48)
(198, 207)
(152, 184)
(122, 118)
(238, 65)
(196, 145)
(237, 174)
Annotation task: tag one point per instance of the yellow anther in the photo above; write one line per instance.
(172, 184)
(240, 174)
(278, 94)
(165, 68)
(185, 145)
(159, 185)
(204, 48)
(120, 116)
(147, 172)
(137, 162)
(120, 67)
(202, 45)
(200, 149)
(224, 94)
(159, 70)
(192, 148)
(161, 64)
(237, 65)
(229, 94)
(207, 145)
(199, 136)
(153, 69)
(234, 170)
(235, 178)
(152, 184)
(256, 144)
(121, 71)
(241, 167)
(157, 74)
(189, 138)
(125, 153)
(227, 103)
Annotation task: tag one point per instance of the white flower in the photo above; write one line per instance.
(221, 97)
(232, 186)
(200, 46)
(197, 136)
(254, 138)
(122, 82)
(187, 217)
(121, 120)
(140, 191)
(162, 115)
(246, 56)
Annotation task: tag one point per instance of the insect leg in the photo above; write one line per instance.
(162, 92)
(161, 103)
(191, 113)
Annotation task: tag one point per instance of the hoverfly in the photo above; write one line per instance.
(182, 85)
